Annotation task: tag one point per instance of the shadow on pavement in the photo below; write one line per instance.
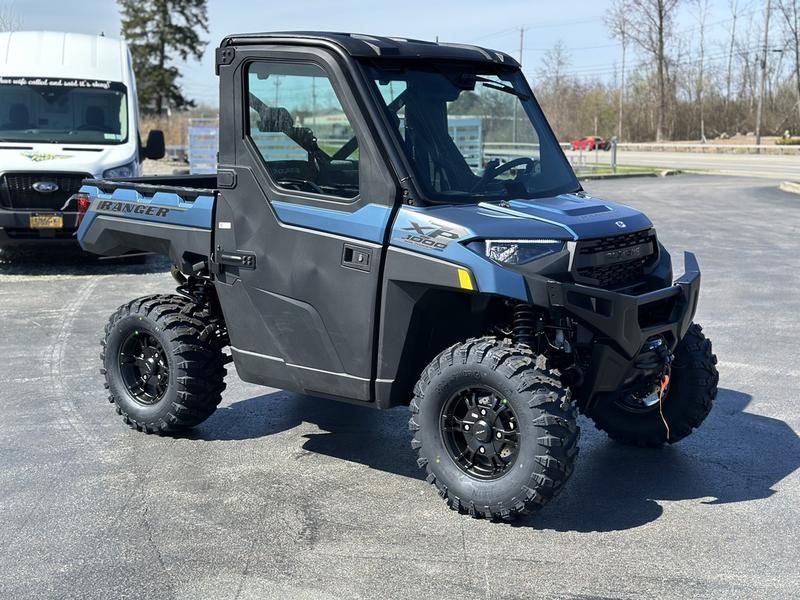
(68, 259)
(735, 457)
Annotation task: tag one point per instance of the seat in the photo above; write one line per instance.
(18, 118)
(94, 120)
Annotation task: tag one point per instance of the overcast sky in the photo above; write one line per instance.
(579, 23)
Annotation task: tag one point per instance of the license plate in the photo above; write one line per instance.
(47, 222)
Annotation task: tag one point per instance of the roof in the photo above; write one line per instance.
(361, 45)
(62, 55)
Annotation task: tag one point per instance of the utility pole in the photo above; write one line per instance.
(760, 106)
(623, 33)
(516, 100)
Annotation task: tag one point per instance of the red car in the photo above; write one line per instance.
(590, 143)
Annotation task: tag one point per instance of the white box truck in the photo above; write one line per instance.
(68, 110)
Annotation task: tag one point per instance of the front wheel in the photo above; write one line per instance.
(650, 420)
(163, 363)
(494, 428)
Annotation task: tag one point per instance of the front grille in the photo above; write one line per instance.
(620, 262)
(17, 191)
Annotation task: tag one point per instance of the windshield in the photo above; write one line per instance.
(472, 132)
(70, 111)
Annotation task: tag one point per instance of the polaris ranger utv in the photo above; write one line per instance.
(363, 241)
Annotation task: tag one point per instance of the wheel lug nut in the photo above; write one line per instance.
(499, 435)
(483, 412)
(466, 427)
(482, 450)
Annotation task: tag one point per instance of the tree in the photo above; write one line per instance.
(651, 30)
(158, 31)
(617, 22)
(9, 20)
(703, 7)
(791, 13)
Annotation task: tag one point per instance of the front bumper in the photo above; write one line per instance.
(15, 228)
(621, 323)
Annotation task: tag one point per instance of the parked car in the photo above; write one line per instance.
(67, 111)
(590, 143)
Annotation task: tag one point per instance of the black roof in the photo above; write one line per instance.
(360, 45)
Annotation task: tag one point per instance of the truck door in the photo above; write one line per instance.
(300, 223)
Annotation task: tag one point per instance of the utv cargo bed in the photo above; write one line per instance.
(166, 215)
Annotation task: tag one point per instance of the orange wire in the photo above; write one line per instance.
(664, 384)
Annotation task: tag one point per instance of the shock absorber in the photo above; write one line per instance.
(525, 325)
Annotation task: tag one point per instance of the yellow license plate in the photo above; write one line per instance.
(47, 222)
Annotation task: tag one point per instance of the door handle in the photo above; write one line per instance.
(357, 257)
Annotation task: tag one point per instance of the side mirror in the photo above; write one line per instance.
(155, 147)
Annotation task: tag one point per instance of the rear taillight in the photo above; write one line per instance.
(82, 202)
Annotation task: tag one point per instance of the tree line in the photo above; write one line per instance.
(678, 85)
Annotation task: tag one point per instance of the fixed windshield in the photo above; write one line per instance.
(472, 132)
(69, 111)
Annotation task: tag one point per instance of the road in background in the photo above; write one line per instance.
(749, 165)
(283, 496)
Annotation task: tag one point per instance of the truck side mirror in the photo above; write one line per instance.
(155, 148)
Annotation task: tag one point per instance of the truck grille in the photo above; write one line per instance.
(17, 191)
(618, 262)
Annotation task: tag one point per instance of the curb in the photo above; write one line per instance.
(793, 187)
(665, 173)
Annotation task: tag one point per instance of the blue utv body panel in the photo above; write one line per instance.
(367, 223)
(197, 212)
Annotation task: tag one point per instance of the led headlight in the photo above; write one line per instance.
(127, 170)
(517, 252)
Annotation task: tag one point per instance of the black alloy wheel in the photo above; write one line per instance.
(480, 431)
(143, 368)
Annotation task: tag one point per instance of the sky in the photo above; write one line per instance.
(494, 24)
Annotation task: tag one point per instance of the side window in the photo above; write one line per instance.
(299, 127)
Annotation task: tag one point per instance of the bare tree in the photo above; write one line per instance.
(9, 19)
(702, 7)
(651, 30)
(618, 25)
(791, 13)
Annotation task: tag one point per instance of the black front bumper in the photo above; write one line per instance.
(622, 323)
(15, 228)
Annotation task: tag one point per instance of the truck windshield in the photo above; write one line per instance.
(472, 132)
(69, 111)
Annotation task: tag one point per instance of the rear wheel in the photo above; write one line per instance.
(494, 428)
(639, 420)
(163, 363)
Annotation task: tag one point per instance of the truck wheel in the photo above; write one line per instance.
(163, 363)
(685, 404)
(494, 428)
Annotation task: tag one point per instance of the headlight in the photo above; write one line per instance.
(128, 170)
(517, 252)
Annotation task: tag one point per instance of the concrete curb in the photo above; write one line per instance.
(793, 187)
(665, 173)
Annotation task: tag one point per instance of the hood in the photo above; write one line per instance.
(49, 158)
(565, 217)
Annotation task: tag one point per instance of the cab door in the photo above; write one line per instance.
(300, 224)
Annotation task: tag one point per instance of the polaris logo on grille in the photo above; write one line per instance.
(624, 253)
(45, 187)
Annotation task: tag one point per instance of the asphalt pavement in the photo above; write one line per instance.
(282, 496)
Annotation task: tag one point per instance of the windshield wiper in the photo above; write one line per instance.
(490, 83)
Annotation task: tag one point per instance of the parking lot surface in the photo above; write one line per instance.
(283, 496)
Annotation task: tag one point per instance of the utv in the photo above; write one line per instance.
(363, 242)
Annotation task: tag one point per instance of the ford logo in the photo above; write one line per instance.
(45, 187)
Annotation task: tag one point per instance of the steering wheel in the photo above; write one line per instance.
(301, 185)
(494, 169)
